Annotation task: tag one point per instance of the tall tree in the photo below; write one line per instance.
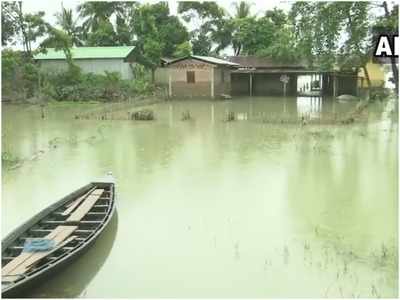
(242, 9)
(157, 34)
(338, 33)
(123, 23)
(356, 51)
(9, 26)
(241, 16)
(94, 13)
(99, 31)
(318, 27)
(215, 31)
(60, 40)
(183, 50)
(69, 24)
(270, 35)
(33, 28)
(27, 28)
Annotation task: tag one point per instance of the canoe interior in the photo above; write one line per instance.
(47, 220)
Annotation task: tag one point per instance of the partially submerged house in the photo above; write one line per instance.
(95, 60)
(262, 76)
(196, 76)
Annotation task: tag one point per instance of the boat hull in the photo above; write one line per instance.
(22, 287)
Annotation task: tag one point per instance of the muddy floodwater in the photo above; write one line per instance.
(207, 208)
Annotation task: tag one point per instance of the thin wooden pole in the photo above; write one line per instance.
(334, 85)
(212, 83)
(169, 84)
(251, 84)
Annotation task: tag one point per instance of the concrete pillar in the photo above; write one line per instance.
(212, 83)
(320, 83)
(39, 86)
(169, 84)
(284, 106)
(334, 86)
(251, 84)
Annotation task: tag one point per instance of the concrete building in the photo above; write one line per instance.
(95, 60)
(195, 76)
(262, 76)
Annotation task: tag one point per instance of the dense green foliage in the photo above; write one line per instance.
(161, 34)
(328, 35)
(339, 34)
(19, 75)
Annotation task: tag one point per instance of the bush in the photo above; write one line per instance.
(20, 80)
(93, 87)
(379, 94)
(19, 74)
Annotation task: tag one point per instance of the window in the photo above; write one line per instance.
(222, 76)
(190, 77)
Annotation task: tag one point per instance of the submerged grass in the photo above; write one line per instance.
(9, 160)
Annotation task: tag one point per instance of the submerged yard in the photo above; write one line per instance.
(263, 206)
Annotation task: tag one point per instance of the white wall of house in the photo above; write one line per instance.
(96, 66)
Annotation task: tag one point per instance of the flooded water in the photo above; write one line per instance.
(208, 208)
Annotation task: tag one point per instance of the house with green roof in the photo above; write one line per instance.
(95, 60)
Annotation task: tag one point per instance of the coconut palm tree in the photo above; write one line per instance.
(242, 9)
(242, 12)
(65, 20)
(97, 24)
(95, 13)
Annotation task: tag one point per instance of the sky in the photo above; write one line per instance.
(51, 7)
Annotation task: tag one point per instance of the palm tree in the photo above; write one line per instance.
(97, 16)
(242, 12)
(242, 9)
(96, 13)
(66, 21)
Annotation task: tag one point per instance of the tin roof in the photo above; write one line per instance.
(263, 62)
(207, 59)
(87, 53)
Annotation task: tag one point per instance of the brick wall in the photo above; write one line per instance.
(202, 77)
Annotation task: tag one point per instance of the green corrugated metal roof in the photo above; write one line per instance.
(87, 52)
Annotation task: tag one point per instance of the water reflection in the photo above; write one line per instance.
(72, 281)
(254, 109)
(309, 106)
(205, 203)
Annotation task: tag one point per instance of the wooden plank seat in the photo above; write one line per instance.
(20, 264)
(85, 206)
(74, 204)
(68, 222)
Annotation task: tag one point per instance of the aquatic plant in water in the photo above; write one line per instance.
(8, 158)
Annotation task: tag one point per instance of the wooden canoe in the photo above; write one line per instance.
(72, 224)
